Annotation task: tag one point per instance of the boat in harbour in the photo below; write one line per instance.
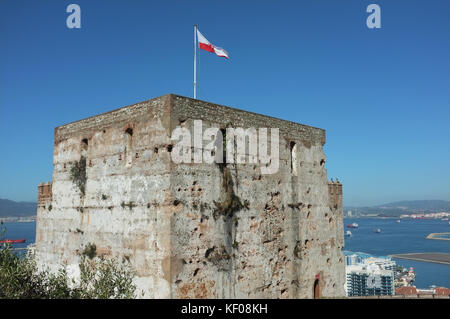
(12, 241)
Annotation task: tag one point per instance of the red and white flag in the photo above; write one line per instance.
(204, 44)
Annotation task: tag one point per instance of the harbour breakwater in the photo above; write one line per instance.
(439, 258)
(439, 236)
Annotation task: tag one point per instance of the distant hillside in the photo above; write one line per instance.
(396, 209)
(423, 205)
(9, 208)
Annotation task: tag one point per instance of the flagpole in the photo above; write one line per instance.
(195, 61)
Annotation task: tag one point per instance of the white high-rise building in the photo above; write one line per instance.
(368, 280)
(367, 275)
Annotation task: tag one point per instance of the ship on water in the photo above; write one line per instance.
(12, 241)
(348, 233)
(25, 220)
(354, 225)
(378, 230)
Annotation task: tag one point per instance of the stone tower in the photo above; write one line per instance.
(194, 230)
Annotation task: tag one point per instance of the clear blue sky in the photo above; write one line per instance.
(382, 95)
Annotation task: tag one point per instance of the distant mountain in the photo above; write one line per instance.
(9, 208)
(423, 205)
(396, 209)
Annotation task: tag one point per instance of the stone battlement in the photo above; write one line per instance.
(44, 194)
(180, 108)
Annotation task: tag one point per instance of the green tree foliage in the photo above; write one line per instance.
(99, 279)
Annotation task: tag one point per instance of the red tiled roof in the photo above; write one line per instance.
(442, 291)
(406, 291)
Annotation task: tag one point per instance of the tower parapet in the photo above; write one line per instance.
(45, 195)
(335, 194)
(336, 206)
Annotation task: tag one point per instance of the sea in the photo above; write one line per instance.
(408, 236)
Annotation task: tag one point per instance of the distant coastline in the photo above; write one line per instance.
(405, 209)
(15, 219)
(12, 209)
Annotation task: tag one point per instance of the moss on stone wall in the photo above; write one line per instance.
(230, 202)
(78, 174)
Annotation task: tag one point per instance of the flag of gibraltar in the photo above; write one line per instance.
(204, 44)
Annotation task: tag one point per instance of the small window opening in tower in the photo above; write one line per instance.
(128, 146)
(84, 147)
(316, 291)
(293, 147)
(224, 145)
(322, 162)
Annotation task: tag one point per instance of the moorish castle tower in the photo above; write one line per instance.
(194, 230)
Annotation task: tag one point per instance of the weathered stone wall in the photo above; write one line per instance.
(196, 230)
(126, 208)
(283, 238)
